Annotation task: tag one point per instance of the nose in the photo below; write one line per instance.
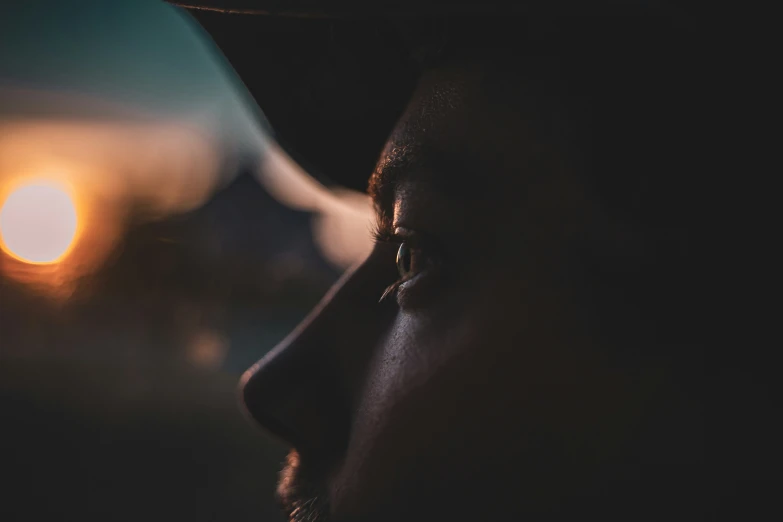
(304, 389)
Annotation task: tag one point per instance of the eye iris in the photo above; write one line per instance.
(404, 259)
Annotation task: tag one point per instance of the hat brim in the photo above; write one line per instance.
(331, 90)
(358, 8)
(332, 77)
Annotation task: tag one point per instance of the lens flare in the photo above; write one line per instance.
(38, 223)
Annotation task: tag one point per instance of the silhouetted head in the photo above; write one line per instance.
(521, 344)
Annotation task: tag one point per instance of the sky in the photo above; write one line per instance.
(143, 55)
(130, 79)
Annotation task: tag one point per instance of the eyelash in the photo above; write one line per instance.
(391, 289)
(383, 233)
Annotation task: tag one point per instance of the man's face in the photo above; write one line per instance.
(475, 385)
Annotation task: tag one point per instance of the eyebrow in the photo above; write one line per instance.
(453, 173)
(396, 164)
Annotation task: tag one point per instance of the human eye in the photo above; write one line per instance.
(417, 259)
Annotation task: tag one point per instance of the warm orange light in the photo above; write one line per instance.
(38, 223)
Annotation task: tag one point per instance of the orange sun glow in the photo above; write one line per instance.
(38, 223)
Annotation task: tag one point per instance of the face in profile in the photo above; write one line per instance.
(464, 370)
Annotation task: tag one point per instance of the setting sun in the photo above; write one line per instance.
(38, 223)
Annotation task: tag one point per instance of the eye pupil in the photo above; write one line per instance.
(404, 259)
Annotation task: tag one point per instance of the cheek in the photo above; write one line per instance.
(439, 362)
(412, 401)
(495, 371)
(428, 372)
(421, 346)
(403, 365)
(461, 367)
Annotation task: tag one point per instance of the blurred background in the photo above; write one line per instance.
(154, 242)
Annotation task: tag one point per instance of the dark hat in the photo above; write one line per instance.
(333, 77)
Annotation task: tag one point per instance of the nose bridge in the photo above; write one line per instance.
(301, 391)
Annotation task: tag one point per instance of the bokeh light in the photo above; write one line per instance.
(38, 223)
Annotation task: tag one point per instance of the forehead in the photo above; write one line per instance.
(458, 133)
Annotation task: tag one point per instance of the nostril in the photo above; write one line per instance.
(303, 412)
(258, 405)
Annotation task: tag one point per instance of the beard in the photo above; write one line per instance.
(299, 498)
